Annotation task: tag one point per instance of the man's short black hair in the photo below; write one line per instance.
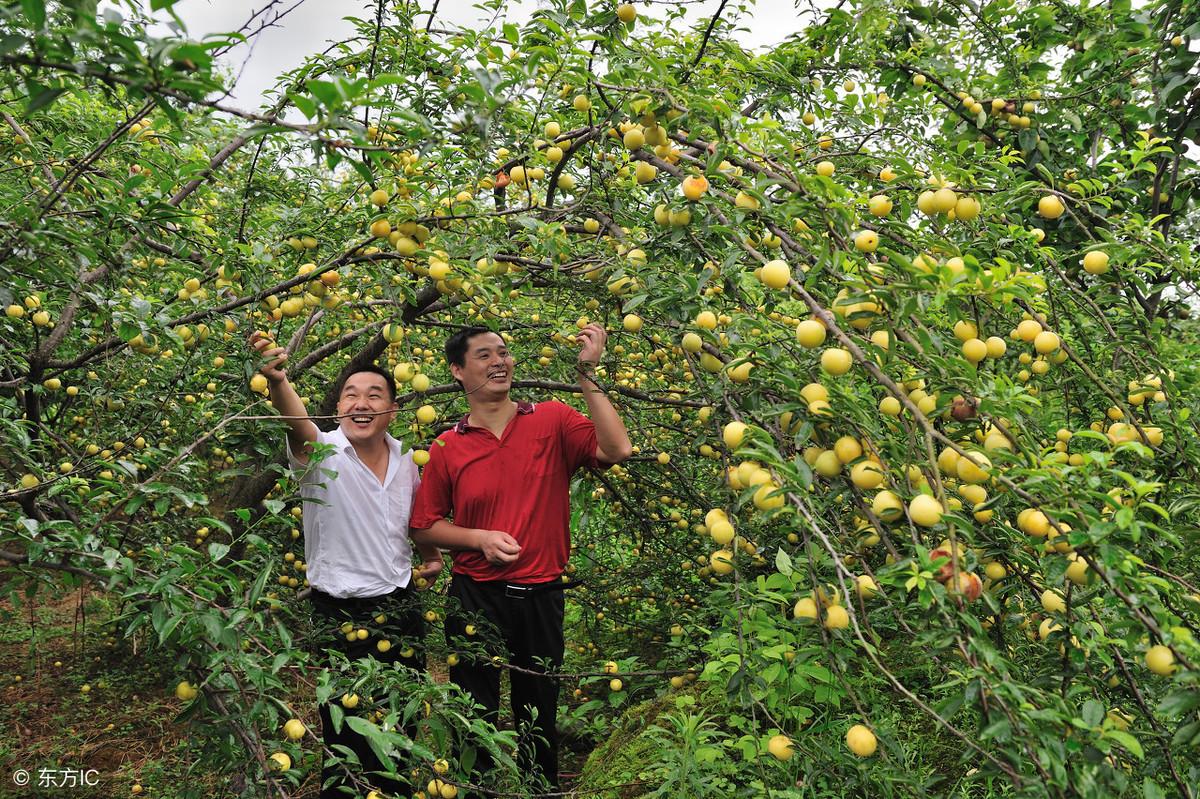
(375, 370)
(456, 345)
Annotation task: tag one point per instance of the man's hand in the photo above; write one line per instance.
(498, 547)
(272, 354)
(425, 576)
(592, 338)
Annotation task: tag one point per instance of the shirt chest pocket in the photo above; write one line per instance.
(545, 455)
(399, 509)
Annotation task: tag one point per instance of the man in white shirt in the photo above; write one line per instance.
(358, 491)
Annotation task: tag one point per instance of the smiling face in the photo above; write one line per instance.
(366, 407)
(487, 369)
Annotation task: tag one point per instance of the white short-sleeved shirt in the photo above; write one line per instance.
(356, 536)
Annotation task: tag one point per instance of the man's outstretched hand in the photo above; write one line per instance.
(592, 338)
(272, 354)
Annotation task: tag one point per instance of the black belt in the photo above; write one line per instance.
(518, 591)
(359, 601)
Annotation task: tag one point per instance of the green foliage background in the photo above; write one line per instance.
(156, 226)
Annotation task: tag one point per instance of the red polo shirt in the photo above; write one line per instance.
(519, 483)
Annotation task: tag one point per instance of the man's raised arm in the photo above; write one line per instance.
(301, 430)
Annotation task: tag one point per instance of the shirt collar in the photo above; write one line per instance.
(343, 443)
(523, 407)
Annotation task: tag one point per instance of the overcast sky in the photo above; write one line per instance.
(314, 24)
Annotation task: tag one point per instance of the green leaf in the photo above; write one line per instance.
(43, 98)
(1150, 790)
(35, 10)
(783, 562)
(1127, 741)
(217, 550)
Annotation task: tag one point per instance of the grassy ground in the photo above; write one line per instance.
(74, 697)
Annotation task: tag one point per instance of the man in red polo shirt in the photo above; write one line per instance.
(495, 491)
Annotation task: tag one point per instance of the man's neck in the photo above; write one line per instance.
(374, 453)
(494, 414)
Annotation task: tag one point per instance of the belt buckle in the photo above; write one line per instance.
(516, 591)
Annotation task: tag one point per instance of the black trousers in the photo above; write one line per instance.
(526, 628)
(403, 627)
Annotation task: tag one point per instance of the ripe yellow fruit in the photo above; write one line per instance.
(827, 464)
(925, 202)
(691, 342)
(925, 511)
(974, 350)
(734, 434)
(944, 200)
(890, 406)
(426, 414)
(721, 561)
(996, 347)
(634, 139)
(294, 729)
(626, 13)
(747, 201)
(1045, 342)
(1053, 602)
(393, 333)
(1028, 330)
(645, 172)
(440, 789)
(184, 692)
(1033, 522)
(866, 475)
(780, 747)
(861, 741)
(836, 361)
(380, 228)
(1077, 572)
(632, 323)
(887, 174)
(848, 449)
(349, 701)
(721, 532)
(966, 209)
(1160, 660)
(581, 103)
(281, 761)
(1095, 262)
(887, 506)
(836, 618)
(825, 169)
(806, 608)
(695, 187)
(810, 333)
(865, 586)
(1050, 207)
(866, 241)
(974, 468)
(258, 384)
(880, 205)
(775, 274)
(918, 80)
(379, 197)
(706, 320)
